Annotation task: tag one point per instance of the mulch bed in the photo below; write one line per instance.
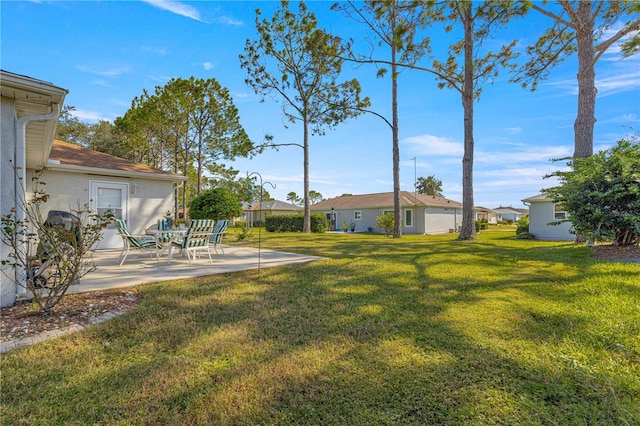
(25, 318)
(610, 252)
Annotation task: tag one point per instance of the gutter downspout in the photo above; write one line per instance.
(21, 164)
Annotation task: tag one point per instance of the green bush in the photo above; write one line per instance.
(525, 236)
(216, 203)
(523, 225)
(244, 234)
(294, 223)
(482, 225)
(386, 222)
(240, 224)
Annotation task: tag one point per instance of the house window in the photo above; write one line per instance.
(357, 215)
(408, 217)
(559, 213)
(387, 212)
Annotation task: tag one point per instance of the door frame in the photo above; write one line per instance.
(110, 239)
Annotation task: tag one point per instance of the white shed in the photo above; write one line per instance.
(542, 213)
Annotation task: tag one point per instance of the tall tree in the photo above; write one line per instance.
(429, 186)
(142, 132)
(478, 20)
(70, 128)
(102, 137)
(314, 197)
(227, 177)
(293, 198)
(394, 24)
(579, 27)
(299, 63)
(214, 125)
(186, 127)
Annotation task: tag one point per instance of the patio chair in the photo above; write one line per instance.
(129, 241)
(196, 239)
(218, 232)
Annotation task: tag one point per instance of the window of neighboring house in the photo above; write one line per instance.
(387, 211)
(559, 213)
(357, 215)
(408, 217)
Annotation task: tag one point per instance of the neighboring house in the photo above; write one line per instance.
(483, 213)
(74, 176)
(542, 212)
(511, 213)
(421, 214)
(256, 212)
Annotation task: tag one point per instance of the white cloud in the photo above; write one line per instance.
(618, 83)
(513, 130)
(229, 21)
(87, 115)
(177, 8)
(157, 50)
(528, 155)
(207, 65)
(434, 145)
(624, 119)
(100, 83)
(113, 72)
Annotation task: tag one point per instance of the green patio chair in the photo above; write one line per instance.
(218, 232)
(129, 241)
(196, 239)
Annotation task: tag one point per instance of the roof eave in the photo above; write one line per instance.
(113, 172)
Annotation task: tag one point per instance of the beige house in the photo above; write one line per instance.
(511, 213)
(135, 193)
(484, 213)
(257, 212)
(421, 214)
(74, 176)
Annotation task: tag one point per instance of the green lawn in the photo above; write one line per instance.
(422, 330)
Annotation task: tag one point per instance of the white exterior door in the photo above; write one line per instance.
(110, 196)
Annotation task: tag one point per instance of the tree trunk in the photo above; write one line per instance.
(199, 162)
(468, 230)
(397, 224)
(306, 223)
(586, 119)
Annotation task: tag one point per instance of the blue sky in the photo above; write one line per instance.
(106, 53)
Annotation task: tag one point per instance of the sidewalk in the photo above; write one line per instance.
(141, 268)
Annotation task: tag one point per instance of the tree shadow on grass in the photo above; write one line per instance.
(424, 333)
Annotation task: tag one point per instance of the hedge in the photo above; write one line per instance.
(294, 222)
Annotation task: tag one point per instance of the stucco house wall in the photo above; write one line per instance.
(8, 179)
(542, 212)
(439, 219)
(29, 110)
(76, 176)
(71, 191)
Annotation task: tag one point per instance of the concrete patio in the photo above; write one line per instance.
(142, 267)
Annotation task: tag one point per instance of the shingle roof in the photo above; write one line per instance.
(482, 208)
(537, 198)
(75, 155)
(383, 199)
(276, 205)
